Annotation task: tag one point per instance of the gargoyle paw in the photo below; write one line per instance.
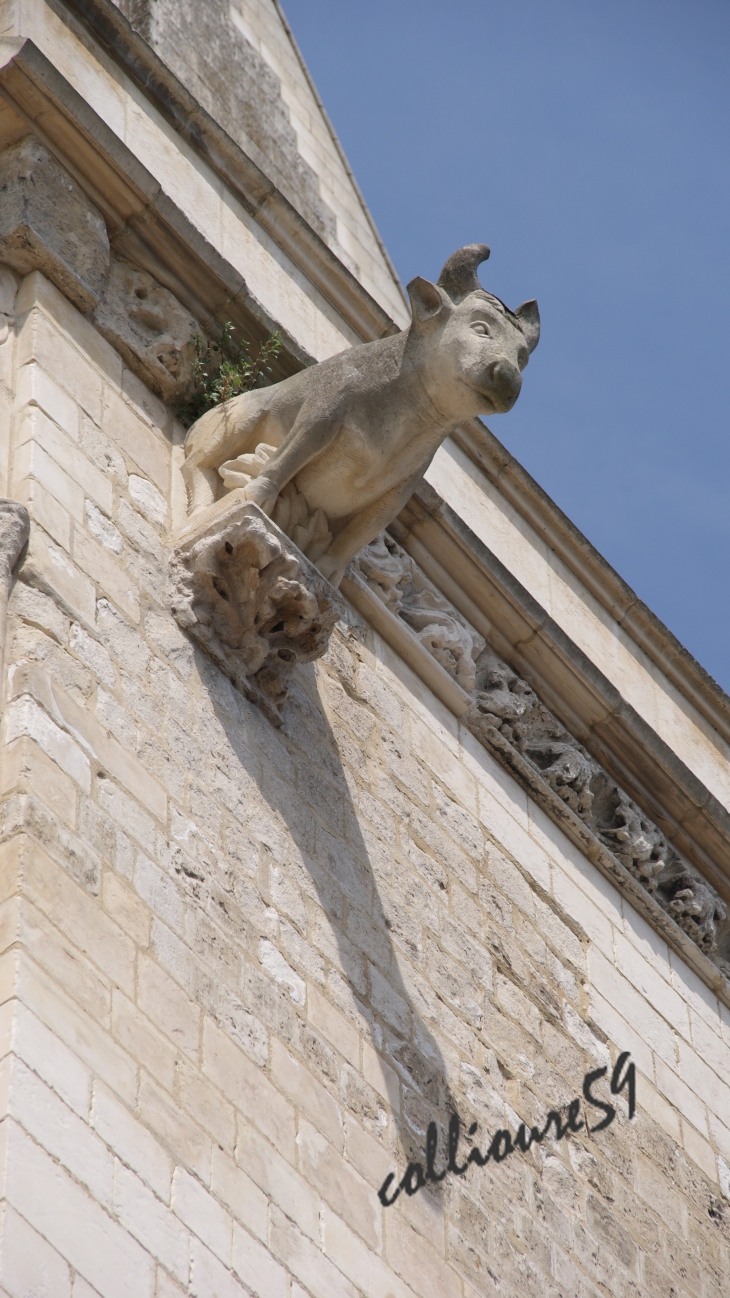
(331, 568)
(260, 492)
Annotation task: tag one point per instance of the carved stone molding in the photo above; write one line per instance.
(14, 532)
(251, 599)
(149, 328)
(507, 716)
(398, 581)
(504, 702)
(8, 291)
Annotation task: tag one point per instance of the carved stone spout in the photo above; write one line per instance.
(333, 453)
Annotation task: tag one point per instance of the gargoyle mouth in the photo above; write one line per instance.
(500, 400)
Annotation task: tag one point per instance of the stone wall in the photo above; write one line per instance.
(244, 967)
(241, 65)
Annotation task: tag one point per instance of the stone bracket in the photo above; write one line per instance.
(250, 598)
(47, 223)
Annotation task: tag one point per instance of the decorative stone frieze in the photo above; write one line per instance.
(251, 599)
(47, 223)
(399, 582)
(149, 328)
(610, 813)
(508, 717)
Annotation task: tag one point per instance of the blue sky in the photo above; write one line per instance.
(587, 143)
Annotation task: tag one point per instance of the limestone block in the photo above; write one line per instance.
(251, 599)
(47, 223)
(149, 328)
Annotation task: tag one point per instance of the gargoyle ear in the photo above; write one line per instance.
(529, 318)
(427, 300)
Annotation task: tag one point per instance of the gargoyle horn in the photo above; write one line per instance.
(459, 276)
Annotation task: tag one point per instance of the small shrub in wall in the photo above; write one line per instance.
(224, 368)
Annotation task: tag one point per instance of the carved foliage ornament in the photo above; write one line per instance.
(251, 599)
(401, 585)
(503, 702)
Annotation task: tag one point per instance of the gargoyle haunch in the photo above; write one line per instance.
(332, 454)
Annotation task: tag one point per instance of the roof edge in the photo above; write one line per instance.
(107, 25)
(340, 151)
(595, 573)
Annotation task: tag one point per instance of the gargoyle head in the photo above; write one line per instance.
(469, 348)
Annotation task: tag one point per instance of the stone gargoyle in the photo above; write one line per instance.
(333, 453)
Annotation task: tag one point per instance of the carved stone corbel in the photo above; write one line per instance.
(251, 599)
(47, 223)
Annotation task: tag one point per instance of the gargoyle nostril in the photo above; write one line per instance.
(505, 382)
(505, 373)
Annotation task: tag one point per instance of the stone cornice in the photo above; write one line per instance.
(572, 782)
(340, 151)
(145, 226)
(596, 574)
(245, 180)
(567, 682)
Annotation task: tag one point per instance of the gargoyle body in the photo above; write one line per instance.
(334, 452)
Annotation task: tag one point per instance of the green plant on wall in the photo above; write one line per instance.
(224, 368)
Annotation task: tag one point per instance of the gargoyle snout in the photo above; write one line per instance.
(505, 382)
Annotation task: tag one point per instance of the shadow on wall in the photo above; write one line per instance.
(301, 782)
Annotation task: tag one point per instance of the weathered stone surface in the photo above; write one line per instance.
(507, 704)
(238, 87)
(47, 223)
(14, 530)
(398, 581)
(246, 968)
(256, 963)
(8, 290)
(149, 328)
(251, 599)
(356, 433)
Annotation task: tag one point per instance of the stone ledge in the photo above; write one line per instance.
(145, 227)
(567, 682)
(554, 791)
(250, 598)
(595, 573)
(257, 193)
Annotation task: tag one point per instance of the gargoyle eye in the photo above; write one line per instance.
(481, 328)
(522, 357)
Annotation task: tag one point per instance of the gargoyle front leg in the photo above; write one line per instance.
(308, 437)
(364, 527)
